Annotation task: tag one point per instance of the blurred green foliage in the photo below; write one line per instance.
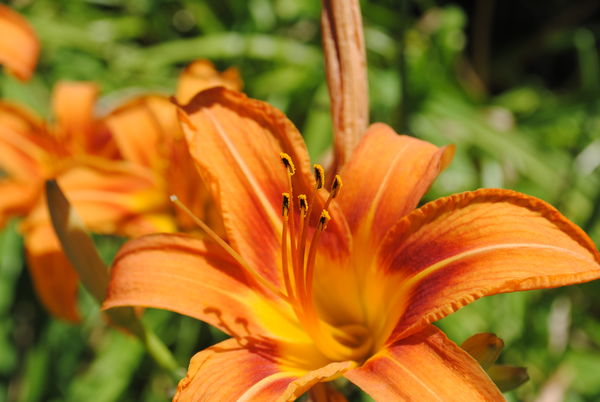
(515, 86)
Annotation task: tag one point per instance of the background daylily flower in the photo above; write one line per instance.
(19, 46)
(314, 285)
(112, 195)
(118, 172)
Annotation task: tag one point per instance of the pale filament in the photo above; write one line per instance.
(228, 249)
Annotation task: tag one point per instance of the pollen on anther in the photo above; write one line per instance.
(303, 204)
(323, 220)
(288, 163)
(319, 175)
(336, 186)
(285, 204)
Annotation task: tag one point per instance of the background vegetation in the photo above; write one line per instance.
(514, 84)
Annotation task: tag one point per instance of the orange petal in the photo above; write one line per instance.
(142, 129)
(19, 46)
(200, 75)
(185, 182)
(54, 279)
(346, 65)
(185, 275)
(108, 196)
(197, 278)
(73, 106)
(454, 250)
(17, 198)
(228, 372)
(24, 143)
(385, 179)
(424, 367)
(236, 143)
(18, 118)
(148, 133)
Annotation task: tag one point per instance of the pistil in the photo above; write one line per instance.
(229, 250)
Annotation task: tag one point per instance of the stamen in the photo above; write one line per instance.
(287, 161)
(323, 220)
(301, 236)
(312, 254)
(285, 210)
(320, 180)
(301, 246)
(217, 239)
(336, 186)
(319, 176)
(285, 205)
(303, 205)
(290, 224)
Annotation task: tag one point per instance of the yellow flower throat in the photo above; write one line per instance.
(349, 342)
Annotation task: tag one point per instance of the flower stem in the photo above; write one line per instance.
(161, 354)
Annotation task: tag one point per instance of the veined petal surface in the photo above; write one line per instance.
(142, 129)
(108, 195)
(454, 250)
(384, 180)
(231, 372)
(19, 45)
(17, 198)
(424, 367)
(24, 143)
(54, 278)
(186, 275)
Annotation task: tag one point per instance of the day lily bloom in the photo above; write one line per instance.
(112, 195)
(117, 171)
(19, 46)
(321, 281)
(148, 133)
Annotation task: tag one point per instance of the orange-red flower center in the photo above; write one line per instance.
(299, 252)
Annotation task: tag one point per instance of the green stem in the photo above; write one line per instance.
(403, 112)
(161, 354)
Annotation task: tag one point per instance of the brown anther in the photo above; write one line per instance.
(285, 205)
(288, 163)
(303, 204)
(319, 175)
(323, 220)
(336, 186)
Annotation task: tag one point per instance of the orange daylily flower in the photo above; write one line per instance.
(112, 195)
(317, 284)
(148, 133)
(19, 46)
(118, 172)
(200, 75)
